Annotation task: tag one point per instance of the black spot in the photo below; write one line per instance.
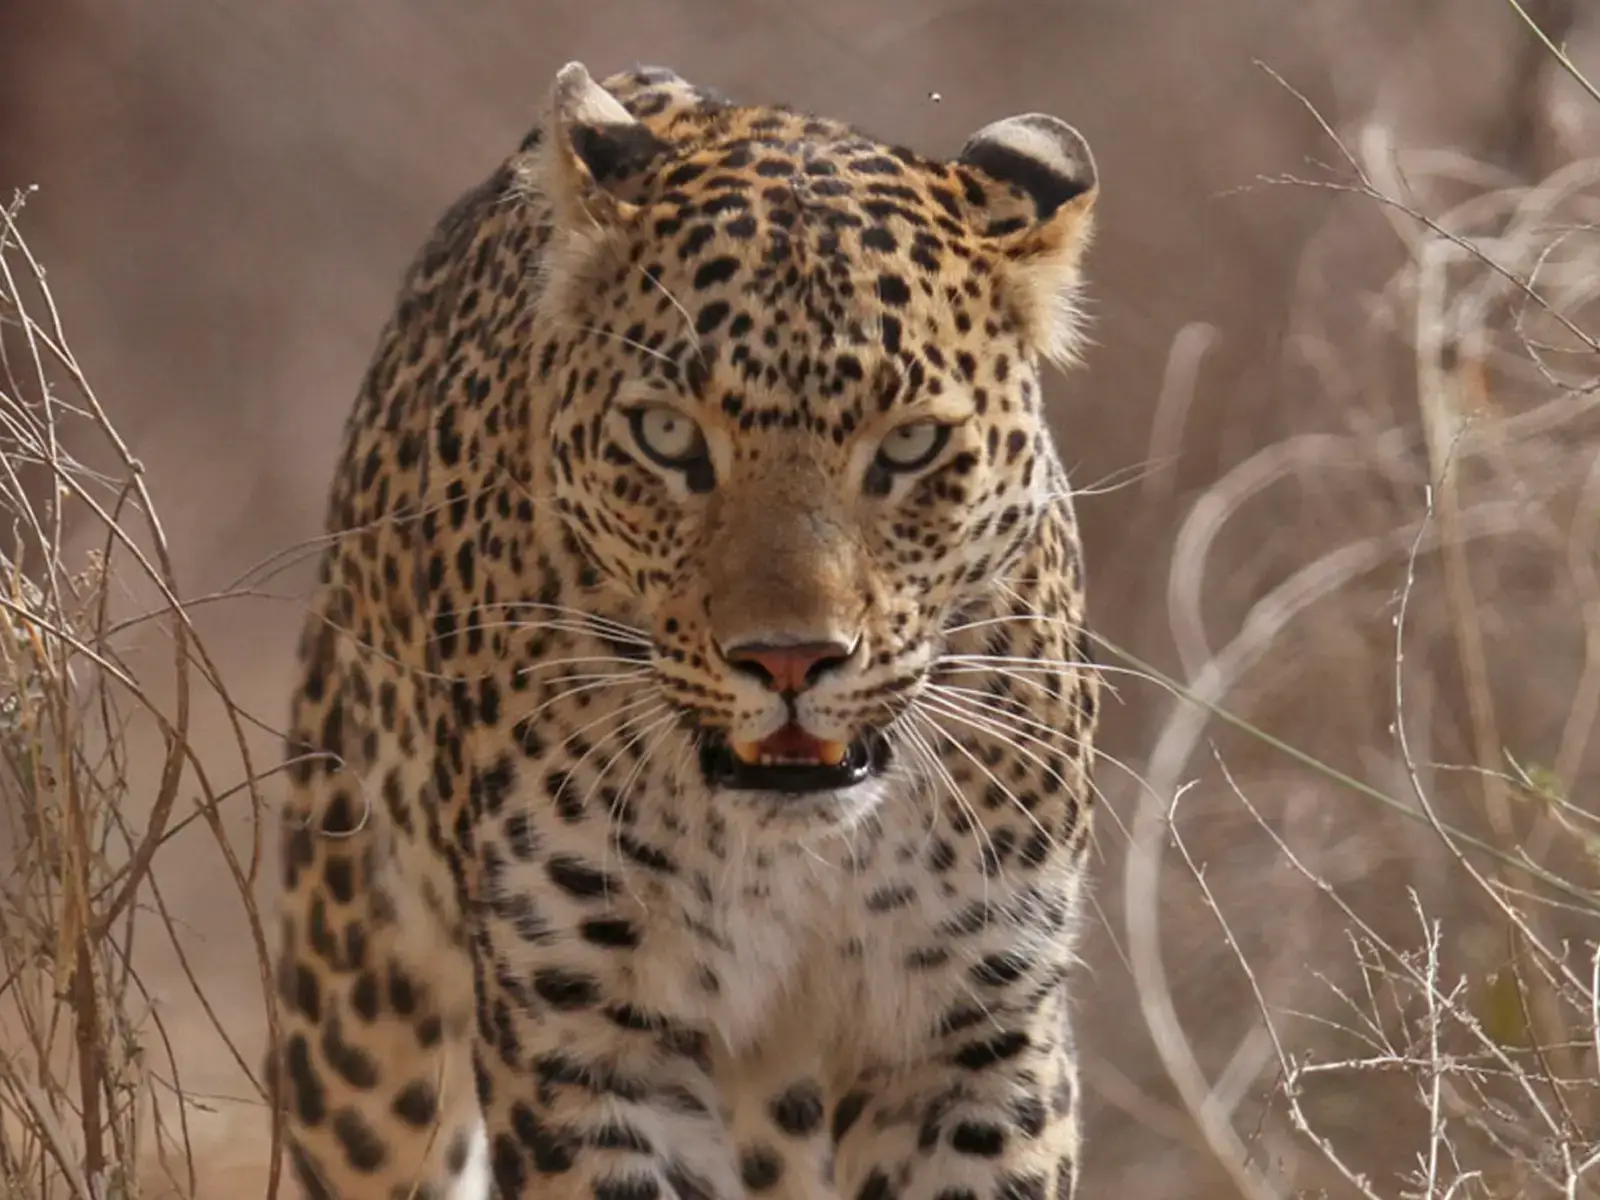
(310, 1099)
(1036, 849)
(528, 738)
(610, 932)
(961, 1018)
(307, 995)
(616, 1136)
(876, 237)
(340, 817)
(646, 856)
(891, 897)
(363, 1149)
(566, 990)
(403, 996)
(417, 1104)
(1061, 1096)
(798, 1110)
(974, 918)
(977, 1056)
(455, 1155)
(876, 1186)
(553, 1153)
(978, 1139)
(364, 997)
(941, 856)
(299, 851)
(696, 241)
(338, 872)
(711, 316)
(576, 878)
(685, 172)
(892, 290)
(629, 1187)
(846, 1113)
(997, 970)
(567, 795)
(760, 1168)
(510, 1172)
(353, 1064)
(1029, 1113)
(715, 271)
(521, 837)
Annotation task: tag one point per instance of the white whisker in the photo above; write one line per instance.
(979, 763)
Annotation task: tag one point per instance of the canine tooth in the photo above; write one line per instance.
(832, 753)
(746, 752)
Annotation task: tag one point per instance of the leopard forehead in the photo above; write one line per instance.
(804, 258)
(806, 236)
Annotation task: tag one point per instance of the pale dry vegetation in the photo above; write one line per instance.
(90, 1084)
(1431, 1031)
(1418, 972)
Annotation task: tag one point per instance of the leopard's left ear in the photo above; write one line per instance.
(1041, 216)
(595, 147)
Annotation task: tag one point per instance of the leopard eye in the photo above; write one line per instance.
(667, 436)
(912, 447)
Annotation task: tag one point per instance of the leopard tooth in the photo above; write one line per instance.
(832, 753)
(746, 752)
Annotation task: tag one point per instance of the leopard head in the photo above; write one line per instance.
(797, 418)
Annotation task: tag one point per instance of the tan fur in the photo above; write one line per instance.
(500, 845)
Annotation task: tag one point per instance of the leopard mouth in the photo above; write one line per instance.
(791, 761)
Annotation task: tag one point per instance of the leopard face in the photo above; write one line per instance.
(799, 432)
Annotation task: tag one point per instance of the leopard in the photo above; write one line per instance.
(689, 763)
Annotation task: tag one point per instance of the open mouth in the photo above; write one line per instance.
(791, 761)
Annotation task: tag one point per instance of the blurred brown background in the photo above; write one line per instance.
(229, 190)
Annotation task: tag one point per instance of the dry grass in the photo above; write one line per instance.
(1453, 528)
(90, 1084)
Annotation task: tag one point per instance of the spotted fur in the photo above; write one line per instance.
(523, 938)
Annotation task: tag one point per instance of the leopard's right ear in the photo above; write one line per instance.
(595, 148)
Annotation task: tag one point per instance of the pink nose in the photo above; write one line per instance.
(788, 668)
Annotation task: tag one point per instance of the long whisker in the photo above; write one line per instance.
(553, 625)
(634, 670)
(568, 693)
(651, 699)
(979, 763)
(618, 337)
(1012, 618)
(997, 725)
(928, 773)
(937, 762)
(1016, 668)
(618, 627)
(1001, 730)
(655, 731)
(1019, 661)
(989, 702)
(688, 321)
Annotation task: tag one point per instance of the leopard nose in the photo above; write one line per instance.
(788, 666)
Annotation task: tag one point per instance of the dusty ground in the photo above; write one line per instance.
(229, 191)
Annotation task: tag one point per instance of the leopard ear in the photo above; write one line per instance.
(1041, 216)
(595, 148)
